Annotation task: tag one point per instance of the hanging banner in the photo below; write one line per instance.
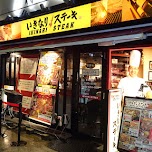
(48, 69)
(47, 82)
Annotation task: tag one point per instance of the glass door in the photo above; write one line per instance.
(89, 105)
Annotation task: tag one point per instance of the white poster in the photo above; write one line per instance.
(26, 102)
(114, 117)
(25, 85)
(28, 66)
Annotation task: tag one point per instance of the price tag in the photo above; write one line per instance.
(133, 132)
(127, 117)
(150, 114)
(46, 89)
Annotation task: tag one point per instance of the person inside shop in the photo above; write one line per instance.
(132, 85)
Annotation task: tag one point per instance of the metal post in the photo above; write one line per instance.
(19, 142)
(0, 117)
(19, 123)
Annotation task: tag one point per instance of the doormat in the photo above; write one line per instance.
(73, 145)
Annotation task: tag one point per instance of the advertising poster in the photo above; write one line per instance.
(42, 108)
(136, 125)
(10, 32)
(114, 118)
(47, 79)
(26, 80)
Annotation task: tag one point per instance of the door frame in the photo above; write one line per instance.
(75, 83)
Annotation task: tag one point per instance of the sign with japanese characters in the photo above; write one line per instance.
(26, 80)
(136, 125)
(90, 72)
(114, 112)
(70, 19)
(93, 14)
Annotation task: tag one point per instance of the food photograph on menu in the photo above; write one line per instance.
(136, 125)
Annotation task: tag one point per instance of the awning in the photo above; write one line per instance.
(102, 39)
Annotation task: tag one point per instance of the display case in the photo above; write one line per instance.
(136, 125)
(119, 68)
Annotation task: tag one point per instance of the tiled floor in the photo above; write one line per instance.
(34, 143)
(32, 133)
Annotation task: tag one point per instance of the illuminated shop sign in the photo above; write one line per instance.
(61, 21)
(94, 14)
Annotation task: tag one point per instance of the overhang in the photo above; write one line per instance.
(101, 38)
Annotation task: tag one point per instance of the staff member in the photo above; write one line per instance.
(132, 85)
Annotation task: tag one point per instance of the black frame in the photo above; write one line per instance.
(150, 65)
(150, 75)
(120, 149)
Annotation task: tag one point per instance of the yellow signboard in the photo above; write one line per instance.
(66, 20)
(98, 13)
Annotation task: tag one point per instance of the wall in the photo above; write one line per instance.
(147, 52)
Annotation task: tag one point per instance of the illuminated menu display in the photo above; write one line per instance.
(136, 126)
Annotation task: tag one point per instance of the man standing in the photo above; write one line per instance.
(132, 85)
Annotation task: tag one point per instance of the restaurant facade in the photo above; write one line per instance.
(69, 63)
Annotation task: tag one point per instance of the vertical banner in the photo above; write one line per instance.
(26, 80)
(114, 117)
(47, 82)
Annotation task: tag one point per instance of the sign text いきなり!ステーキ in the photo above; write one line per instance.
(61, 21)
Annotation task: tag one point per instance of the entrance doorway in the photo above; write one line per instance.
(90, 84)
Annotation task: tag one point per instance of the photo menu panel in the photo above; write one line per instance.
(136, 125)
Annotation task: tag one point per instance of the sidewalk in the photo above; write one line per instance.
(34, 142)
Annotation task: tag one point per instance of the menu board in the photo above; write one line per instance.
(136, 125)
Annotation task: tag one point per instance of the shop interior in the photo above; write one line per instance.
(120, 64)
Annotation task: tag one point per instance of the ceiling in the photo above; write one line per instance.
(15, 8)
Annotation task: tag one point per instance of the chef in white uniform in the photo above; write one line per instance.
(132, 84)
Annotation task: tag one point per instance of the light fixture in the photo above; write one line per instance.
(26, 1)
(67, 1)
(43, 8)
(8, 18)
(25, 13)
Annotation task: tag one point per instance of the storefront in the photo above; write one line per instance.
(78, 82)
(59, 72)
